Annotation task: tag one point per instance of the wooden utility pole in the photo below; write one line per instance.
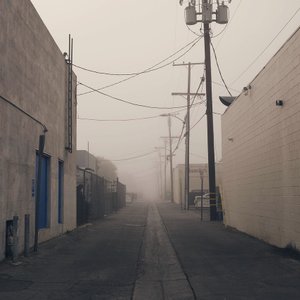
(210, 123)
(170, 138)
(162, 194)
(187, 133)
(221, 17)
(171, 159)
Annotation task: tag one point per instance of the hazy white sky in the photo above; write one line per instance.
(130, 36)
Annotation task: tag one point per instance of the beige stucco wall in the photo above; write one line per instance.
(261, 152)
(33, 75)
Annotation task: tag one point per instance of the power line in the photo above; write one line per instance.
(132, 119)
(181, 136)
(150, 69)
(134, 157)
(220, 84)
(192, 31)
(218, 66)
(129, 102)
(199, 86)
(153, 68)
(117, 120)
(227, 25)
(194, 154)
(214, 36)
(264, 50)
(198, 121)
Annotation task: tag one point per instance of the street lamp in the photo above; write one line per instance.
(221, 17)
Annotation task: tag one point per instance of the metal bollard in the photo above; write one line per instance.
(15, 239)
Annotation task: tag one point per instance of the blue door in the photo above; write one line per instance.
(60, 191)
(44, 192)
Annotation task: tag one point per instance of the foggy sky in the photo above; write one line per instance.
(130, 36)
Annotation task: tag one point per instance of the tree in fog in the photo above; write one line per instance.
(106, 168)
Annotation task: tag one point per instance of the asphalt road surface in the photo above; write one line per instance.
(152, 251)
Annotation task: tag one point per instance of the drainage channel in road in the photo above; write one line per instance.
(160, 275)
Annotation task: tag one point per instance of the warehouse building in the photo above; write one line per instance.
(37, 96)
(261, 152)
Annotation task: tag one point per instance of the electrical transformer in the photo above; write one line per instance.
(190, 15)
(222, 14)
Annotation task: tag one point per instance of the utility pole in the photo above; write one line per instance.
(160, 177)
(221, 14)
(160, 173)
(165, 166)
(170, 138)
(165, 141)
(210, 124)
(171, 159)
(187, 134)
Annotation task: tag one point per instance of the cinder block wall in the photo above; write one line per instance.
(261, 152)
(33, 75)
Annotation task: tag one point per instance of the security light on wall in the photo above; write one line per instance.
(279, 102)
(246, 89)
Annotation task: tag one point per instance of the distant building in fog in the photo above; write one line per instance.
(196, 171)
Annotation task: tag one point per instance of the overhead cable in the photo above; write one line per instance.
(153, 68)
(219, 69)
(134, 157)
(181, 136)
(218, 34)
(198, 121)
(132, 119)
(129, 102)
(117, 120)
(222, 84)
(227, 25)
(264, 50)
(150, 69)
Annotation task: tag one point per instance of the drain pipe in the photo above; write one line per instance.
(42, 139)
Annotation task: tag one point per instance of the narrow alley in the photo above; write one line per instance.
(152, 251)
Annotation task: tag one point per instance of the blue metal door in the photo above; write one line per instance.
(44, 192)
(60, 191)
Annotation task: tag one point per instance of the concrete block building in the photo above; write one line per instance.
(35, 92)
(261, 152)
